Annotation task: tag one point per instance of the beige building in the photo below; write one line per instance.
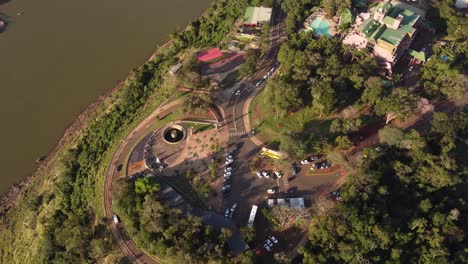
(389, 32)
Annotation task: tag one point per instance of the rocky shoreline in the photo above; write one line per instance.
(12, 196)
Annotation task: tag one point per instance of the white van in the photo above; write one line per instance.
(116, 219)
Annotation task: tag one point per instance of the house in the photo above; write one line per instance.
(207, 55)
(256, 16)
(389, 32)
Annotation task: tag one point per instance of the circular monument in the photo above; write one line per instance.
(173, 134)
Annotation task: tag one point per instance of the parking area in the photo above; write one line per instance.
(246, 189)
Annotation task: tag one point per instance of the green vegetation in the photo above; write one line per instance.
(443, 79)
(412, 196)
(250, 65)
(63, 208)
(146, 185)
(447, 19)
(231, 79)
(152, 225)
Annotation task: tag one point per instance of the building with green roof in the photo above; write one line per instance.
(390, 31)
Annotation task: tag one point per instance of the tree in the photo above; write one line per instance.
(323, 96)
(250, 65)
(345, 125)
(343, 142)
(281, 258)
(248, 233)
(373, 91)
(283, 96)
(198, 102)
(247, 257)
(293, 146)
(439, 79)
(146, 185)
(398, 105)
(391, 136)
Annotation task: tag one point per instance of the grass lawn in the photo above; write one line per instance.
(269, 129)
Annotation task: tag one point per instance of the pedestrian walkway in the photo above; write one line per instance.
(237, 134)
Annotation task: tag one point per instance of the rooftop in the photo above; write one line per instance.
(369, 26)
(392, 36)
(255, 15)
(208, 55)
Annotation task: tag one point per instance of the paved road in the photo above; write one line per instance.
(235, 123)
(126, 244)
(246, 188)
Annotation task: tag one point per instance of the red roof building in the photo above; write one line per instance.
(210, 54)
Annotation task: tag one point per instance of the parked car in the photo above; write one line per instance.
(305, 161)
(258, 83)
(259, 174)
(238, 92)
(270, 244)
(278, 174)
(267, 175)
(118, 168)
(267, 247)
(234, 207)
(273, 238)
(227, 174)
(228, 169)
(227, 187)
(231, 214)
(226, 213)
(227, 180)
(264, 173)
(116, 219)
(228, 162)
(271, 191)
(229, 157)
(265, 76)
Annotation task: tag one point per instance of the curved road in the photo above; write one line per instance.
(235, 122)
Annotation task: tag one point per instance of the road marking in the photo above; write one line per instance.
(237, 134)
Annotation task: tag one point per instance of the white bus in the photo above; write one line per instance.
(252, 215)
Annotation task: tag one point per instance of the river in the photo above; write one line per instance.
(58, 56)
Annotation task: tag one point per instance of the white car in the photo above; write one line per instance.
(227, 174)
(265, 76)
(116, 219)
(226, 213)
(229, 157)
(267, 247)
(259, 174)
(269, 243)
(258, 84)
(238, 92)
(228, 162)
(271, 191)
(234, 206)
(306, 161)
(273, 239)
(278, 174)
(227, 169)
(264, 173)
(272, 69)
(267, 176)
